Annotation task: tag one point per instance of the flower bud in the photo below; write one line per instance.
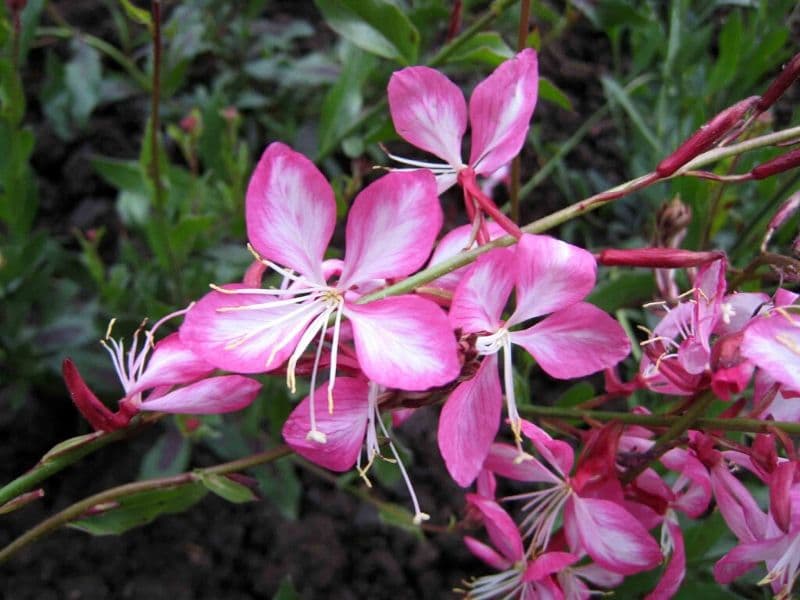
(780, 84)
(705, 137)
(779, 164)
(663, 258)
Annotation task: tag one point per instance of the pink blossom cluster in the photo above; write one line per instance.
(583, 525)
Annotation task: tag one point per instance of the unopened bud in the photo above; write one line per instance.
(787, 209)
(192, 123)
(659, 258)
(705, 137)
(780, 84)
(230, 114)
(779, 164)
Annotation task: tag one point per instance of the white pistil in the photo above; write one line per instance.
(492, 344)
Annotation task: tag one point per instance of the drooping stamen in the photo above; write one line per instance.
(419, 516)
(505, 585)
(337, 325)
(439, 168)
(542, 508)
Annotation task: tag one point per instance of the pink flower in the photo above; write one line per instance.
(403, 342)
(430, 112)
(577, 339)
(175, 377)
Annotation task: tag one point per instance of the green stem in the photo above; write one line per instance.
(494, 11)
(102, 46)
(706, 423)
(80, 508)
(49, 466)
(575, 210)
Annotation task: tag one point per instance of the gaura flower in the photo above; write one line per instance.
(430, 112)
(401, 342)
(175, 377)
(550, 276)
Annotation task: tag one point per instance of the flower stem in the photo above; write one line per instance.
(706, 423)
(577, 209)
(55, 461)
(80, 508)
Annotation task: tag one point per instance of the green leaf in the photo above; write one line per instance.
(122, 174)
(286, 591)
(12, 96)
(142, 508)
(576, 394)
(227, 488)
(280, 484)
(136, 14)
(730, 45)
(168, 456)
(398, 516)
(549, 92)
(615, 92)
(628, 289)
(377, 26)
(486, 47)
(344, 100)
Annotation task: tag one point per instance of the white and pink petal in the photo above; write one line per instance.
(215, 395)
(483, 292)
(290, 211)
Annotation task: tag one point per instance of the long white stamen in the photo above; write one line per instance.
(334, 353)
(267, 305)
(419, 516)
(511, 402)
(314, 433)
(420, 163)
(308, 335)
(264, 291)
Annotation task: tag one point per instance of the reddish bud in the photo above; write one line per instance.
(780, 84)
(94, 411)
(230, 113)
(16, 6)
(705, 137)
(190, 123)
(787, 209)
(779, 164)
(660, 258)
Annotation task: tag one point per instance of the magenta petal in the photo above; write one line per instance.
(503, 460)
(500, 111)
(404, 342)
(290, 211)
(243, 341)
(576, 341)
(558, 453)
(772, 343)
(487, 554)
(210, 396)
(469, 422)
(429, 111)
(747, 555)
(344, 429)
(500, 526)
(551, 275)
(479, 299)
(611, 535)
(673, 575)
(391, 228)
(548, 563)
(171, 363)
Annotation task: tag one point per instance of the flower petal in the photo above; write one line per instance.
(290, 211)
(469, 422)
(503, 459)
(244, 341)
(500, 111)
(500, 526)
(773, 344)
(611, 535)
(479, 299)
(429, 111)
(551, 275)
(344, 428)
(171, 363)
(210, 396)
(673, 575)
(391, 228)
(404, 342)
(576, 341)
(487, 554)
(747, 555)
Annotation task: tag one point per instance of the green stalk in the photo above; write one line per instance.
(53, 462)
(79, 509)
(577, 209)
